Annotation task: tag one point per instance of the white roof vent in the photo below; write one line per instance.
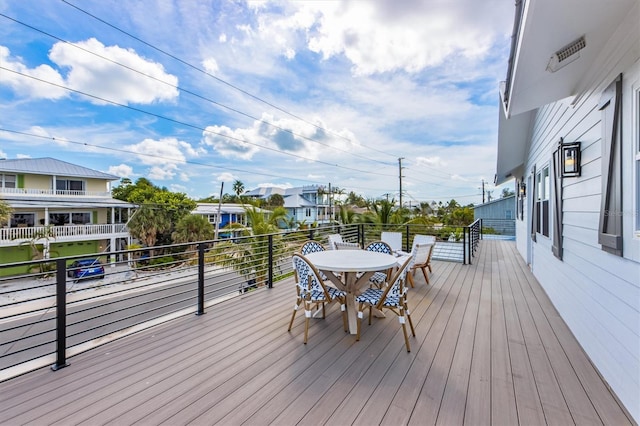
(566, 55)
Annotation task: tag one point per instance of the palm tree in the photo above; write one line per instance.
(192, 228)
(40, 243)
(238, 188)
(147, 222)
(250, 257)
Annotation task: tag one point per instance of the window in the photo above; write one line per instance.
(7, 181)
(307, 212)
(66, 218)
(75, 186)
(22, 219)
(507, 214)
(542, 202)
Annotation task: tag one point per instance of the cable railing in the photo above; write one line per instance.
(48, 314)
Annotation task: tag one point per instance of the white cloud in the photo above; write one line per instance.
(121, 170)
(210, 65)
(92, 74)
(387, 35)
(164, 172)
(30, 87)
(3, 154)
(23, 156)
(431, 162)
(289, 135)
(275, 185)
(166, 151)
(225, 177)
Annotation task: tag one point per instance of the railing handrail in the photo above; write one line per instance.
(183, 267)
(68, 230)
(59, 192)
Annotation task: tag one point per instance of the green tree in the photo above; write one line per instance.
(40, 244)
(192, 228)
(275, 200)
(347, 215)
(250, 257)
(506, 192)
(5, 212)
(147, 222)
(238, 188)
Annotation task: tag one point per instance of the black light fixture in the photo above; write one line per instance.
(570, 159)
(522, 189)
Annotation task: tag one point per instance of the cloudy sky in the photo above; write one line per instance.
(190, 93)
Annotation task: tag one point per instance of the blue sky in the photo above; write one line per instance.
(190, 94)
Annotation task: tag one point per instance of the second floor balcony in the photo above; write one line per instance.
(53, 192)
(19, 235)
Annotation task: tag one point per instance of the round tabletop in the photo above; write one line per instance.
(351, 260)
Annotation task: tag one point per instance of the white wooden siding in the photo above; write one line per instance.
(597, 294)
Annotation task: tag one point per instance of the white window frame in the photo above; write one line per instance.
(3, 180)
(542, 194)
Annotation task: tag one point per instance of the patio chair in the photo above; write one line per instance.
(311, 247)
(393, 298)
(346, 246)
(421, 260)
(394, 239)
(380, 277)
(426, 239)
(312, 291)
(332, 239)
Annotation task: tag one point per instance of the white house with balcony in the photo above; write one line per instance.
(569, 134)
(305, 204)
(70, 203)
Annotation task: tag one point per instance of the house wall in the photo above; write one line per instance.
(596, 293)
(44, 182)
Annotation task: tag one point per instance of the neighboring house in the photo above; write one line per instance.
(229, 213)
(498, 214)
(574, 77)
(72, 203)
(305, 204)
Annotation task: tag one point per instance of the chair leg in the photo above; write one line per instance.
(307, 318)
(410, 279)
(404, 331)
(293, 316)
(424, 272)
(370, 314)
(345, 320)
(408, 315)
(360, 315)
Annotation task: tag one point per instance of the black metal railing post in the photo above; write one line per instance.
(406, 239)
(270, 260)
(61, 315)
(200, 279)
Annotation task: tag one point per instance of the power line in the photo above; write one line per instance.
(181, 89)
(182, 123)
(197, 163)
(188, 64)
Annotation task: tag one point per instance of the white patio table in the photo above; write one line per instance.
(350, 263)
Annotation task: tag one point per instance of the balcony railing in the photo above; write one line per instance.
(50, 316)
(48, 192)
(59, 232)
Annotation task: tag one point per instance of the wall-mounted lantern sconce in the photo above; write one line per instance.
(522, 189)
(570, 155)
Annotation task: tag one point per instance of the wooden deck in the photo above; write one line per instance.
(489, 349)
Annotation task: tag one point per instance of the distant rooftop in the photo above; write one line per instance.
(51, 166)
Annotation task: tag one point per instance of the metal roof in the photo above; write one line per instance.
(50, 166)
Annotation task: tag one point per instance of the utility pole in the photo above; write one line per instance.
(482, 191)
(400, 176)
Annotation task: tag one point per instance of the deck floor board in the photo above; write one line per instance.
(490, 348)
